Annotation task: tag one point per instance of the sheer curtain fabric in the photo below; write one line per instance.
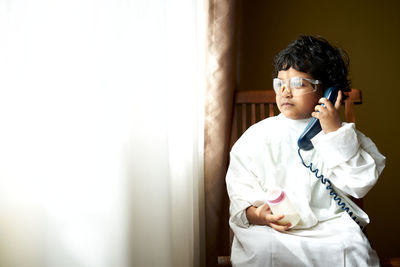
(101, 141)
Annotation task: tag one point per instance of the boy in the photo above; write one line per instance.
(266, 156)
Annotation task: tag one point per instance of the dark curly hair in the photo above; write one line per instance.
(315, 56)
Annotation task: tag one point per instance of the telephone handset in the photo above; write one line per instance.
(304, 143)
(314, 127)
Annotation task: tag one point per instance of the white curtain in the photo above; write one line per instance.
(101, 133)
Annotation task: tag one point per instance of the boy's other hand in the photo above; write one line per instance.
(263, 216)
(329, 114)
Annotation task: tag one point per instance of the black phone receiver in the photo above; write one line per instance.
(314, 127)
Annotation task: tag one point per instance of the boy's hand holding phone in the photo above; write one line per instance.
(329, 113)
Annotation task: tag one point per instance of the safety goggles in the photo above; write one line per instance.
(296, 85)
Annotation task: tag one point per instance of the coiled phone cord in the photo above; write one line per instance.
(332, 190)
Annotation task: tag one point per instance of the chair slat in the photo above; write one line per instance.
(244, 118)
(253, 113)
(349, 112)
(234, 130)
(262, 111)
(271, 110)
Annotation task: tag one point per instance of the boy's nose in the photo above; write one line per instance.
(286, 90)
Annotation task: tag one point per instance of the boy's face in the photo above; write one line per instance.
(296, 107)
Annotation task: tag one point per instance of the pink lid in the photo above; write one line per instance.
(275, 195)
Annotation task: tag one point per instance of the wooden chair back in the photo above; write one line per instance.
(253, 106)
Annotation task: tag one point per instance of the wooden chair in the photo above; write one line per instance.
(253, 106)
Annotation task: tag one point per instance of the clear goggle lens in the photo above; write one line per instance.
(297, 85)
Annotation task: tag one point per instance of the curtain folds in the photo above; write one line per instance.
(220, 84)
(101, 141)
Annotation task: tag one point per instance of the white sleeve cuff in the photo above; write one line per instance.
(338, 146)
(238, 213)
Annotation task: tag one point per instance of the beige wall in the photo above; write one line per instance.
(369, 32)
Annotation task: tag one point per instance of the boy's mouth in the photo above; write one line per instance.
(286, 104)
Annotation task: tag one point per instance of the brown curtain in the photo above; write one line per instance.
(220, 84)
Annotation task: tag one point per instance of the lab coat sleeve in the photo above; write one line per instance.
(352, 158)
(243, 188)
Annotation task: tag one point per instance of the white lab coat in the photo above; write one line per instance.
(266, 156)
